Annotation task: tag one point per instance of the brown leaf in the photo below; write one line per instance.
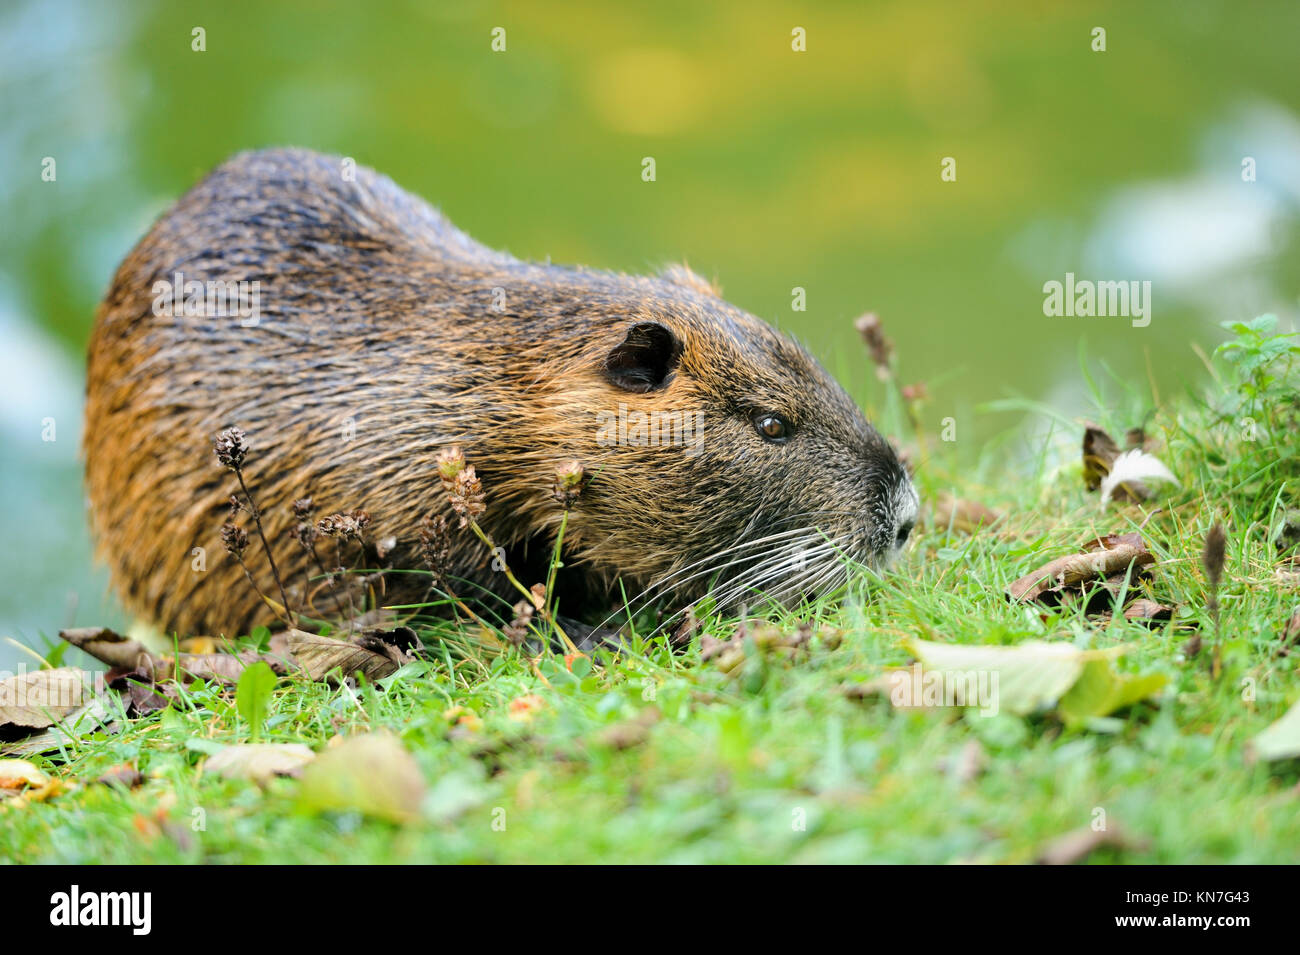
(1075, 846)
(398, 644)
(319, 656)
(141, 694)
(106, 645)
(1148, 611)
(131, 656)
(41, 698)
(960, 515)
(260, 762)
(1105, 557)
(1099, 453)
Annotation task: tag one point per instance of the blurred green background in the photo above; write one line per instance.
(775, 169)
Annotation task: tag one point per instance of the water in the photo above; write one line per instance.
(775, 170)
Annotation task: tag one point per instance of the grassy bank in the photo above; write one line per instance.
(788, 746)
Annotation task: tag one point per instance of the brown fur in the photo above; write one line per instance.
(374, 308)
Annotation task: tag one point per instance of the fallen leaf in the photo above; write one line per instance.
(1145, 611)
(1104, 557)
(1021, 679)
(259, 762)
(33, 701)
(372, 774)
(1100, 691)
(128, 655)
(318, 656)
(18, 774)
(1030, 676)
(141, 694)
(1280, 740)
(71, 728)
(1099, 453)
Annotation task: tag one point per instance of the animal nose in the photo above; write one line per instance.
(903, 531)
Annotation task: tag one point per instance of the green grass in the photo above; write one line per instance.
(738, 760)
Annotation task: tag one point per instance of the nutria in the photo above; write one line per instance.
(374, 335)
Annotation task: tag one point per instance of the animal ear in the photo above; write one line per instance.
(644, 359)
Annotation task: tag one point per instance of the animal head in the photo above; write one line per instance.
(725, 456)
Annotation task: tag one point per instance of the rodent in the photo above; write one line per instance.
(386, 335)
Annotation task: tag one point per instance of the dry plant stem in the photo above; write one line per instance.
(329, 578)
(270, 559)
(338, 561)
(256, 589)
(528, 594)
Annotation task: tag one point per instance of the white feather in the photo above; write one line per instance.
(1134, 466)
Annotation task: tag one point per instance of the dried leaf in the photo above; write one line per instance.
(319, 656)
(69, 729)
(260, 762)
(1099, 453)
(131, 656)
(141, 694)
(106, 645)
(1100, 691)
(1148, 611)
(1031, 676)
(18, 774)
(41, 698)
(1281, 740)
(1106, 557)
(371, 774)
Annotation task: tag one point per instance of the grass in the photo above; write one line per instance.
(774, 762)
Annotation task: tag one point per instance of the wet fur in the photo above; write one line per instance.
(375, 308)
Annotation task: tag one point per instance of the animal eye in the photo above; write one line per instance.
(772, 427)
